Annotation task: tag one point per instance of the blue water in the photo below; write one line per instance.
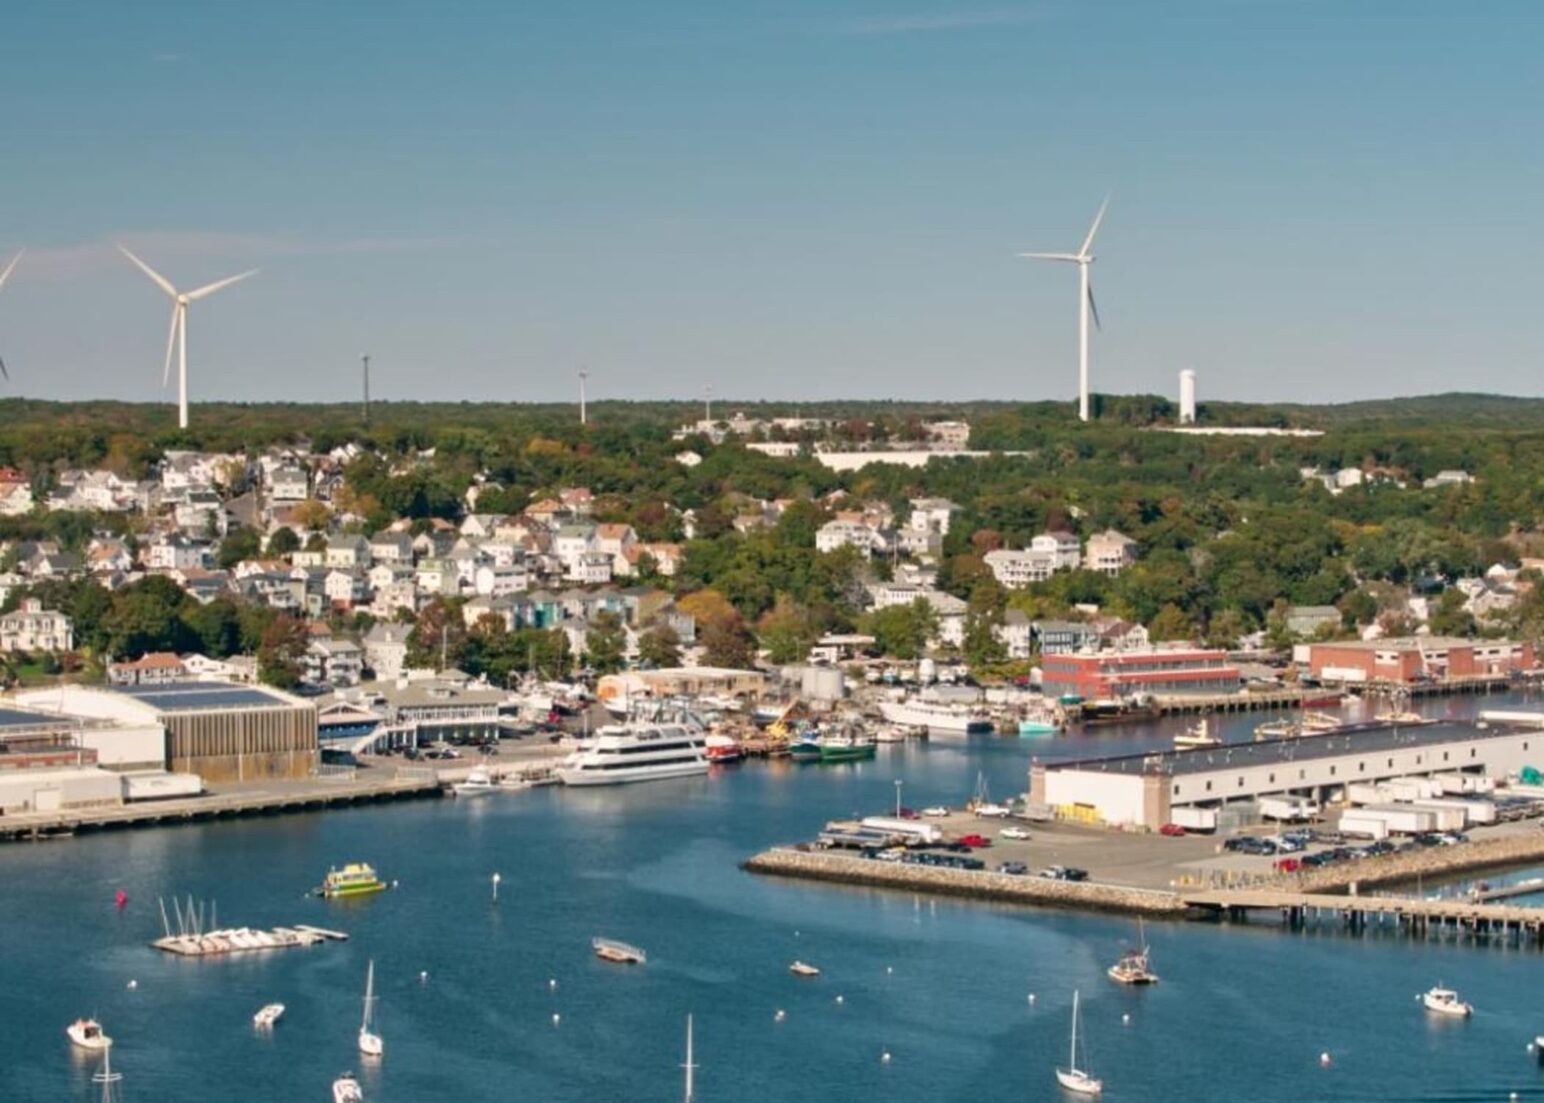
(1242, 1013)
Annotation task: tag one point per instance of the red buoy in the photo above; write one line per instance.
(120, 899)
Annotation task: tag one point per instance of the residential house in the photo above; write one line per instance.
(174, 551)
(577, 500)
(345, 589)
(1064, 637)
(34, 628)
(15, 493)
(385, 648)
(289, 483)
(348, 550)
(1121, 635)
(157, 668)
(481, 526)
(391, 547)
(1448, 478)
(931, 515)
(388, 599)
(332, 662)
(614, 540)
(571, 542)
(1017, 569)
(492, 580)
(844, 533)
(592, 569)
(1061, 546)
(1110, 552)
(1015, 634)
(107, 555)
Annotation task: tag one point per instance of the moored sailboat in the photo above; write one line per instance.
(370, 1043)
(1073, 1078)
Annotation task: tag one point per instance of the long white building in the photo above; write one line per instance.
(1143, 790)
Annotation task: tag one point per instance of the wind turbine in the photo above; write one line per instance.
(178, 333)
(9, 268)
(1082, 258)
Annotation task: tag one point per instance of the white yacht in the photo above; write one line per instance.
(478, 781)
(936, 716)
(1197, 737)
(267, 1015)
(622, 753)
(345, 1089)
(1445, 1001)
(87, 1034)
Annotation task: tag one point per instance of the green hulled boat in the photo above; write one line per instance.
(845, 748)
(354, 879)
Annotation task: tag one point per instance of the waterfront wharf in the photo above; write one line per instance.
(319, 793)
(242, 940)
(1414, 914)
(1506, 892)
(1250, 701)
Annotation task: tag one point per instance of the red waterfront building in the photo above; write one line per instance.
(1128, 673)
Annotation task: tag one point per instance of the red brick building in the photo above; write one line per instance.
(1126, 673)
(1416, 658)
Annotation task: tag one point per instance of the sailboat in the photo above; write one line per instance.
(370, 1043)
(691, 1094)
(345, 1089)
(1073, 1078)
(1133, 967)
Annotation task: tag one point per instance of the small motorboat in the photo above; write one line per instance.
(345, 1089)
(1195, 738)
(87, 1034)
(618, 953)
(1445, 1001)
(267, 1015)
(722, 748)
(803, 969)
(478, 781)
(1133, 967)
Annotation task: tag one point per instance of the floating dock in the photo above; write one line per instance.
(242, 940)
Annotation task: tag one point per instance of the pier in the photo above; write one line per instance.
(239, 940)
(314, 795)
(1416, 915)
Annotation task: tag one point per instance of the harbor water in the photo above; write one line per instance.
(484, 1000)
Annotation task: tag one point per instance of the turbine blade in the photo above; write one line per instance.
(1094, 229)
(1051, 256)
(4, 372)
(171, 343)
(1094, 309)
(211, 288)
(160, 281)
(9, 268)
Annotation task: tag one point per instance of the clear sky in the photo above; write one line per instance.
(1312, 199)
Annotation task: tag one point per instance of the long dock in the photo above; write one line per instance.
(241, 940)
(310, 796)
(1419, 915)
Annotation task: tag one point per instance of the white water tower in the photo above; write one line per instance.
(1187, 397)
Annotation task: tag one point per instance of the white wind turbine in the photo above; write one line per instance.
(178, 333)
(9, 268)
(1082, 258)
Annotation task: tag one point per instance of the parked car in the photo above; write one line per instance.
(1173, 830)
(1013, 833)
(1288, 865)
(935, 811)
(1064, 873)
(974, 840)
(1017, 869)
(996, 811)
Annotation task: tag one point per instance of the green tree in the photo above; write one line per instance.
(216, 627)
(145, 616)
(660, 647)
(283, 542)
(239, 544)
(281, 654)
(605, 642)
(902, 631)
(727, 643)
(1171, 624)
(787, 631)
(438, 638)
(1449, 617)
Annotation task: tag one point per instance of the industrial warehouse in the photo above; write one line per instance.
(219, 732)
(1150, 790)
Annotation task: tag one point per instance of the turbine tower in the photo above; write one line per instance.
(1082, 258)
(9, 268)
(583, 413)
(177, 335)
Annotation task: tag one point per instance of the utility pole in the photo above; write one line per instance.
(366, 408)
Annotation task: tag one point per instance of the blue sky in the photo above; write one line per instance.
(1311, 200)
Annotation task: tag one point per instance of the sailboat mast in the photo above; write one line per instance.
(369, 994)
(1072, 1061)
(690, 1066)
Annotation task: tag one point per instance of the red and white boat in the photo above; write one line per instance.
(722, 748)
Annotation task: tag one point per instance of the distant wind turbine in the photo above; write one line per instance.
(177, 335)
(9, 268)
(1082, 258)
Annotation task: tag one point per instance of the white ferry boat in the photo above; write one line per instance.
(936, 716)
(622, 753)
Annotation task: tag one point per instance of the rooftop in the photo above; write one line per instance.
(198, 696)
(1233, 756)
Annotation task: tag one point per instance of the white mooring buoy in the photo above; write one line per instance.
(1324, 1060)
(556, 1018)
(885, 1057)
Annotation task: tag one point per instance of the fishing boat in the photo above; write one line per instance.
(936, 716)
(478, 781)
(345, 1089)
(267, 1015)
(1276, 729)
(805, 748)
(1133, 967)
(87, 1034)
(354, 879)
(1072, 1078)
(1196, 737)
(891, 733)
(845, 746)
(618, 953)
(722, 748)
(803, 969)
(1445, 1001)
(370, 1043)
(1040, 718)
